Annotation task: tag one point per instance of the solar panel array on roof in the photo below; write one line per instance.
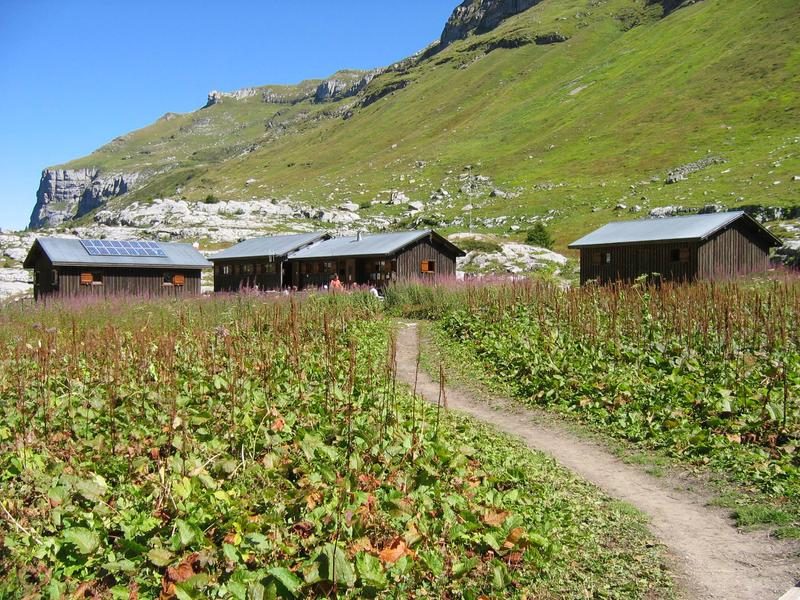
(123, 248)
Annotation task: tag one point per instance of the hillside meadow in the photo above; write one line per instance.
(257, 447)
(577, 127)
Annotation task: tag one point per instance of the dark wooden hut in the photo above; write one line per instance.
(713, 246)
(375, 259)
(65, 267)
(259, 263)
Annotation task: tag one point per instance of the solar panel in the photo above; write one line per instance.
(119, 248)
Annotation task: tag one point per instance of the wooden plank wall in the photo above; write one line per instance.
(409, 261)
(236, 282)
(730, 253)
(116, 281)
(630, 262)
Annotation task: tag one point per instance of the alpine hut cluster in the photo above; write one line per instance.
(712, 246)
(310, 260)
(70, 267)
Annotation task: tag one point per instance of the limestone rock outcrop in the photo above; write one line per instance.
(64, 194)
(480, 16)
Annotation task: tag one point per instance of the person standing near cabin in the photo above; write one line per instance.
(336, 285)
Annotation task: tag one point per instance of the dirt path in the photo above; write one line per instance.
(712, 559)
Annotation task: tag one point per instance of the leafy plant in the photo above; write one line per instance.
(242, 448)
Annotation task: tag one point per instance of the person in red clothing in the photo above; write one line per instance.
(336, 285)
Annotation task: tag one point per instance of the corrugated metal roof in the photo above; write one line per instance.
(695, 227)
(380, 244)
(278, 245)
(70, 252)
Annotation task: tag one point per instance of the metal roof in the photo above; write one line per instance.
(382, 244)
(692, 228)
(278, 245)
(68, 252)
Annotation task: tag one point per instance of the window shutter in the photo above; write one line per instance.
(685, 255)
(178, 279)
(86, 279)
(597, 259)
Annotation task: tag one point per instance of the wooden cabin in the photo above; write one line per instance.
(65, 268)
(259, 263)
(375, 259)
(713, 246)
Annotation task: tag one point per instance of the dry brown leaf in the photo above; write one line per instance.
(361, 545)
(313, 500)
(179, 574)
(514, 536)
(84, 590)
(495, 518)
(394, 552)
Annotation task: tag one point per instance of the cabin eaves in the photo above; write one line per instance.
(278, 246)
(374, 245)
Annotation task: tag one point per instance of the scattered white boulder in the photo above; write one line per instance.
(512, 258)
(15, 282)
(397, 197)
(663, 212)
(349, 207)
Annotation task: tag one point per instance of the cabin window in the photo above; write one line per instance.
(269, 267)
(597, 258)
(176, 279)
(679, 255)
(54, 278)
(227, 270)
(428, 266)
(608, 258)
(248, 269)
(35, 277)
(94, 278)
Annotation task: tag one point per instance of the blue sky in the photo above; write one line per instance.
(75, 74)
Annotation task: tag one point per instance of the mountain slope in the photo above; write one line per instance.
(571, 105)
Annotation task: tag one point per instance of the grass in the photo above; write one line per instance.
(598, 120)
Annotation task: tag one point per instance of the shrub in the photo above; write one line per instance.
(479, 246)
(211, 199)
(538, 235)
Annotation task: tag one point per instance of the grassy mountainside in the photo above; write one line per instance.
(577, 126)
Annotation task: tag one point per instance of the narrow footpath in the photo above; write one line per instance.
(711, 558)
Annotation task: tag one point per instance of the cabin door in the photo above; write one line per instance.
(350, 271)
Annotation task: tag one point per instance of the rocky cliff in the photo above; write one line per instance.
(480, 16)
(64, 194)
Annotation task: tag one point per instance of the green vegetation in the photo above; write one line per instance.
(538, 235)
(707, 374)
(577, 127)
(251, 448)
(479, 245)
